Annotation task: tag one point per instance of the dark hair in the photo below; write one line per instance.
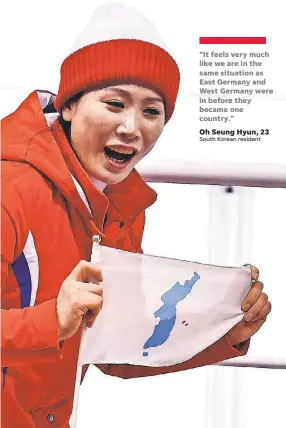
(64, 124)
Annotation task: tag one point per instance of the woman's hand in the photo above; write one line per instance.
(78, 297)
(256, 307)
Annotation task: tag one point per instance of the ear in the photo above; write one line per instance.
(67, 113)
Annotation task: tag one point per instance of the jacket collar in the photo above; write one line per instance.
(32, 138)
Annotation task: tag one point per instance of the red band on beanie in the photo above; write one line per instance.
(120, 60)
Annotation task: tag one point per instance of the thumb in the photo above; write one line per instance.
(244, 330)
(250, 328)
(92, 314)
(254, 271)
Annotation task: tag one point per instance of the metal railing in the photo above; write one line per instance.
(255, 362)
(217, 173)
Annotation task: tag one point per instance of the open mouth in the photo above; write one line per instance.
(118, 157)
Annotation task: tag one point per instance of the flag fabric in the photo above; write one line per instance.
(159, 311)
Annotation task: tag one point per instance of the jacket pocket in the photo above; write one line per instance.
(46, 392)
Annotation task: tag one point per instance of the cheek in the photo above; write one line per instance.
(152, 134)
(90, 133)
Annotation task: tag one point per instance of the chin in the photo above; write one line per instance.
(115, 179)
(110, 178)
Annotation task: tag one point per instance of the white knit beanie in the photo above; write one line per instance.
(119, 45)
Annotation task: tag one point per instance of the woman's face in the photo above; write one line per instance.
(113, 128)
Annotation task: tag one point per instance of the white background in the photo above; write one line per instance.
(35, 38)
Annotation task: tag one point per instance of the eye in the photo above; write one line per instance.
(117, 104)
(152, 111)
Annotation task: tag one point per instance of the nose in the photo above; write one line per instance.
(129, 126)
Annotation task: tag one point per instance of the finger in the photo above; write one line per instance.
(92, 314)
(91, 304)
(84, 270)
(85, 298)
(252, 295)
(86, 286)
(90, 321)
(93, 288)
(263, 312)
(258, 305)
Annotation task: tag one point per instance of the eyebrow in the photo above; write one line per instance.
(126, 93)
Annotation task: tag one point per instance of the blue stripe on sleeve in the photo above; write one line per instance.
(23, 276)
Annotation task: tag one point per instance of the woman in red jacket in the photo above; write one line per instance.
(67, 175)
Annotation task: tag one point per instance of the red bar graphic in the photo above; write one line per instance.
(233, 40)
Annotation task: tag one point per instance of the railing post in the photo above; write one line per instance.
(230, 232)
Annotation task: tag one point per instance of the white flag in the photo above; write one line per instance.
(159, 311)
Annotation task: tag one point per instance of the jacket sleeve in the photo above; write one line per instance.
(218, 351)
(28, 335)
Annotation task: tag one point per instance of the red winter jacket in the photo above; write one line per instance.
(46, 230)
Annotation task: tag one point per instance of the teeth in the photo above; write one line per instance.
(124, 151)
